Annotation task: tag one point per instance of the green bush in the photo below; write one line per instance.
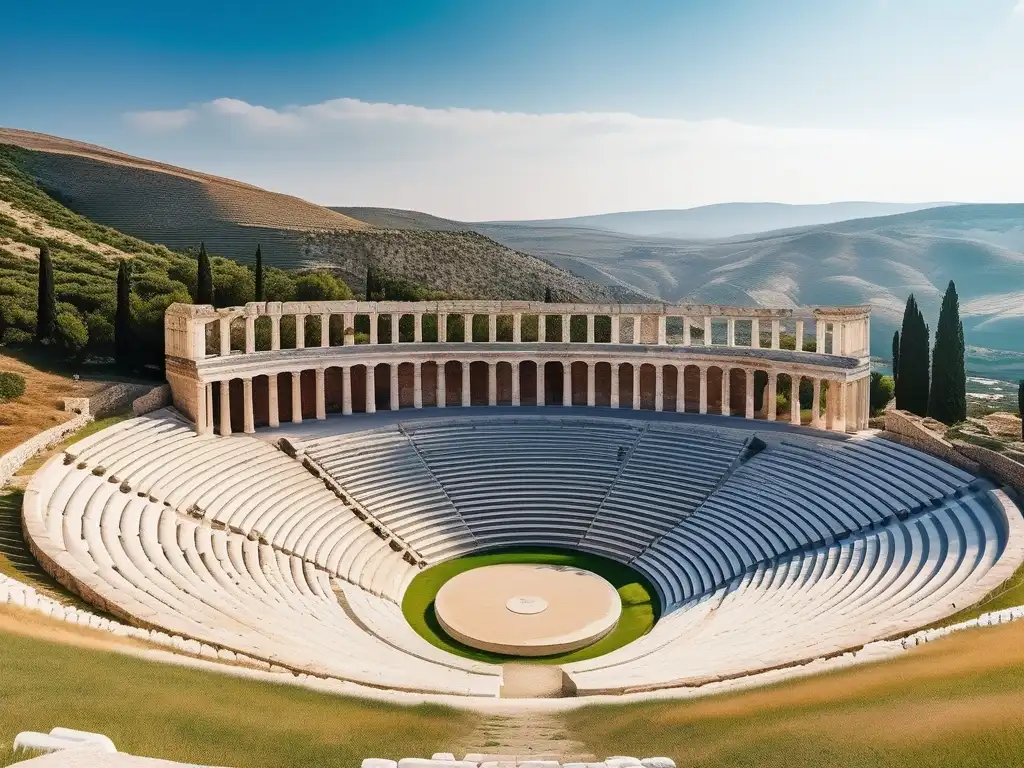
(883, 389)
(71, 335)
(12, 385)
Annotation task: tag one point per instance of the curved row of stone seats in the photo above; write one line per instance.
(448, 760)
(246, 486)
(144, 560)
(526, 480)
(668, 474)
(793, 495)
(875, 584)
(382, 471)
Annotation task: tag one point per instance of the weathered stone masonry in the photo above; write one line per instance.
(651, 356)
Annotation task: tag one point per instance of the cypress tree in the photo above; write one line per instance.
(547, 295)
(912, 384)
(895, 355)
(123, 348)
(260, 291)
(204, 291)
(947, 401)
(371, 282)
(46, 308)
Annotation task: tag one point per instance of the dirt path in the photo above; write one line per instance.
(535, 735)
(37, 225)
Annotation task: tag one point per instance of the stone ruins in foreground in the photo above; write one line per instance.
(236, 368)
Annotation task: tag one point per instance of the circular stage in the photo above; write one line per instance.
(527, 610)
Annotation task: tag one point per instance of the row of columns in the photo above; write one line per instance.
(855, 341)
(841, 397)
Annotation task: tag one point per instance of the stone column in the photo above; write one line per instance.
(371, 389)
(492, 328)
(567, 384)
(417, 328)
(755, 333)
(816, 404)
(250, 334)
(776, 333)
(492, 383)
(703, 390)
(225, 408)
(225, 336)
(417, 384)
(819, 329)
(566, 336)
(637, 322)
(300, 331)
(842, 406)
(749, 379)
(209, 409)
(321, 394)
(442, 327)
(730, 338)
(707, 331)
(373, 327)
(396, 319)
(662, 330)
(202, 424)
(273, 408)
(659, 386)
(838, 347)
(517, 329)
(296, 397)
(248, 419)
(346, 390)
(515, 382)
(275, 332)
(726, 392)
(794, 399)
(615, 385)
(393, 381)
(466, 400)
(467, 328)
(799, 335)
(636, 386)
(591, 384)
(773, 391)
(442, 386)
(686, 332)
(541, 393)
(542, 328)
(615, 329)
(325, 330)
(590, 329)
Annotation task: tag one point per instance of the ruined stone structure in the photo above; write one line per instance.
(236, 368)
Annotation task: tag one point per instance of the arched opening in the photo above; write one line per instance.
(478, 383)
(333, 390)
(452, 372)
(553, 383)
(262, 332)
(406, 385)
(671, 388)
(603, 384)
(691, 389)
(358, 378)
(337, 330)
(578, 382)
(787, 388)
(716, 394)
(428, 382)
(382, 386)
(738, 378)
(308, 388)
(260, 401)
(647, 387)
(626, 385)
(503, 374)
(528, 382)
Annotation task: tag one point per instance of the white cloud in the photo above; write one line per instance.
(1019, 8)
(483, 164)
(161, 120)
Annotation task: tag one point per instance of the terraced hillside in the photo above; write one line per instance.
(397, 218)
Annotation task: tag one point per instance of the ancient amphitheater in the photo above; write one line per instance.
(283, 508)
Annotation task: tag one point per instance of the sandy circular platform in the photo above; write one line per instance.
(527, 610)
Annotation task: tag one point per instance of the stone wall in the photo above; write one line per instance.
(157, 397)
(909, 429)
(107, 400)
(11, 461)
(1000, 467)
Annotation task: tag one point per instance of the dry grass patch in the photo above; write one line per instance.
(162, 710)
(39, 408)
(956, 702)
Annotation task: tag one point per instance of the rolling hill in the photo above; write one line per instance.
(725, 219)
(178, 208)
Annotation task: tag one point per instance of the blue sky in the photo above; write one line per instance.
(540, 108)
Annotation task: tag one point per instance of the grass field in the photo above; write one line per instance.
(956, 703)
(161, 710)
(639, 602)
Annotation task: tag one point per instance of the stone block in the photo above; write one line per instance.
(621, 761)
(378, 762)
(658, 762)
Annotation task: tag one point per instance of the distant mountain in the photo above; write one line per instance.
(876, 261)
(396, 218)
(721, 220)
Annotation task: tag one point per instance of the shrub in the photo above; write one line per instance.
(320, 286)
(71, 335)
(883, 389)
(12, 385)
